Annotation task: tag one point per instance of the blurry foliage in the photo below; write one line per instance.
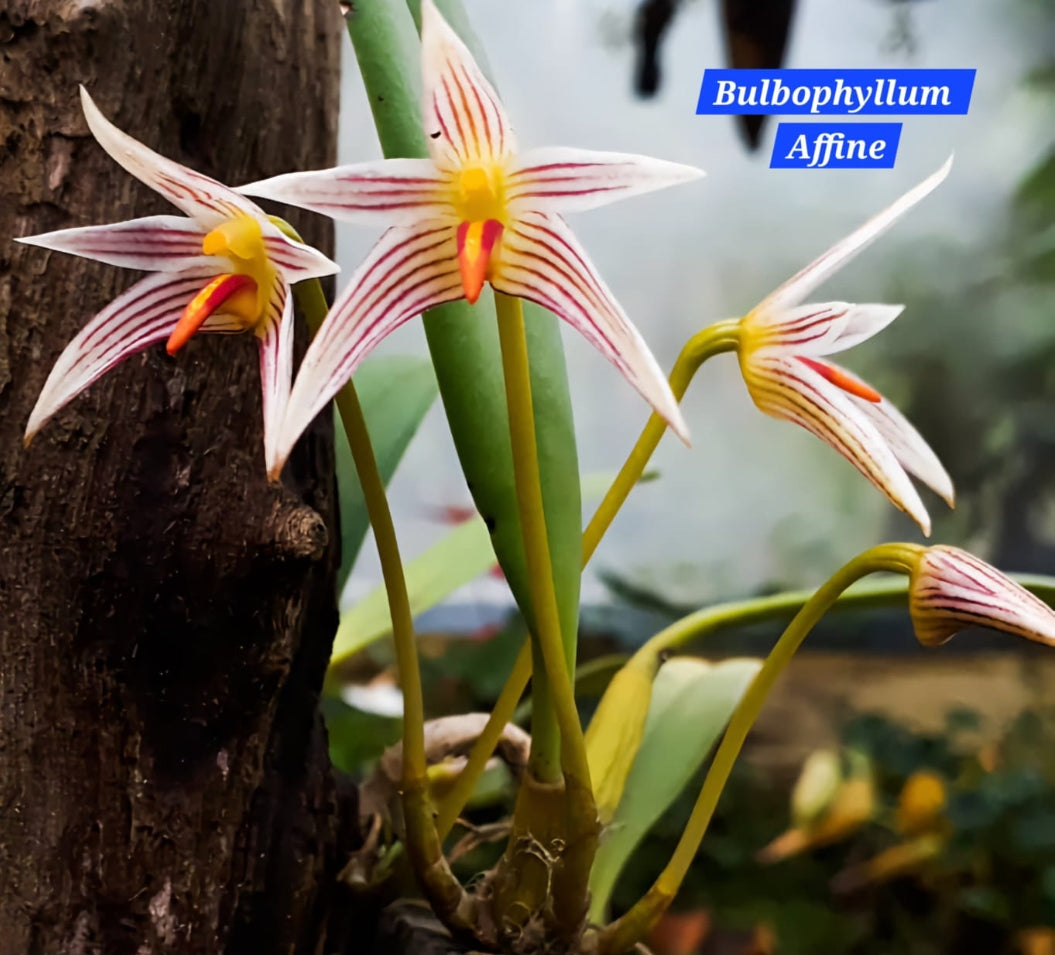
(992, 881)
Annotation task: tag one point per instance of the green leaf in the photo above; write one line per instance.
(396, 391)
(463, 341)
(459, 557)
(450, 563)
(691, 702)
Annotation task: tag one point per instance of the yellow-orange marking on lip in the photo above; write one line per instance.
(476, 242)
(842, 380)
(220, 291)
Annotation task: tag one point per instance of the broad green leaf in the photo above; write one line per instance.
(396, 391)
(463, 341)
(461, 556)
(691, 702)
(452, 562)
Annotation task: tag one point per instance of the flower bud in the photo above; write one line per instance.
(951, 590)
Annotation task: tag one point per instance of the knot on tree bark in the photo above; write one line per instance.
(296, 531)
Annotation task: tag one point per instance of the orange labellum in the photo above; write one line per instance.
(842, 380)
(476, 242)
(220, 291)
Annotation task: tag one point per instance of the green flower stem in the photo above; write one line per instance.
(424, 846)
(553, 675)
(622, 934)
(717, 338)
(453, 803)
(569, 880)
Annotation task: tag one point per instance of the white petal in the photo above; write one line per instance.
(144, 314)
(407, 272)
(275, 336)
(821, 269)
(784, 387)
(557, 179)
(819, 328)
(541, 260)
(908, 446)
(203, 199)
(296, 260)
(465, 121)
(388, 192)
(153, 244)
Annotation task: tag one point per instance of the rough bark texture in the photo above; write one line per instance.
(165, 614)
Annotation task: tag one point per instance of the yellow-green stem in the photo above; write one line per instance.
(625, 932)
(547, 630)
(424, 846)
(717, 338)
(484, 745)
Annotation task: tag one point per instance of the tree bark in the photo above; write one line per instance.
(166, 614)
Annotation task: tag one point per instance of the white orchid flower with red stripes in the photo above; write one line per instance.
(782, 355)
(478, 210)
(224, 268)
(950, 590)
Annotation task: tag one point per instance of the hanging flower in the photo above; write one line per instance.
(950, 590)
(225, 267)
(782, 350)
(478, 210)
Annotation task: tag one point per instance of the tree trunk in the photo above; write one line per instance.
(166, 615)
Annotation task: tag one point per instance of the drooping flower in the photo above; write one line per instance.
(478, 210)
(782, 349)
(225, 267)
(950, 590)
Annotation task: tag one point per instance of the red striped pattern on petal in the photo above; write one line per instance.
(144, 314)
(785, 388)
(913, 453)
(390, 192)
(275, 337)
(540, 260)
(465, 121)
(951, 589)
(560, 180)
(407, 272)
(204, 199)
(153, 243)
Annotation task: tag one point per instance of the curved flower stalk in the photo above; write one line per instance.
(950, 590)
(477, 211)
(224, 268)
(782, 350)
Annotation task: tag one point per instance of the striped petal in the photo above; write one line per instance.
(296, 260)
(200, 197)
(407, 272)
(541, 260)
(465, 121)
(951, 589)
(153, 244)
(818, 328)
(559, 180)
(144, 314)
(912, 452)
(786, 388)
(821, 269)
(275, 337)
(390, 192)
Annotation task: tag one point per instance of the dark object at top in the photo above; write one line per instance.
(755, 34)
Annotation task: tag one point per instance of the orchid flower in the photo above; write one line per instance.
(950, 590)
(782, 349)
(224, 268)
(478, 210)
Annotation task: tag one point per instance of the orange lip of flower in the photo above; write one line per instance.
(234, 293)
(841, 380)
(476, 242)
